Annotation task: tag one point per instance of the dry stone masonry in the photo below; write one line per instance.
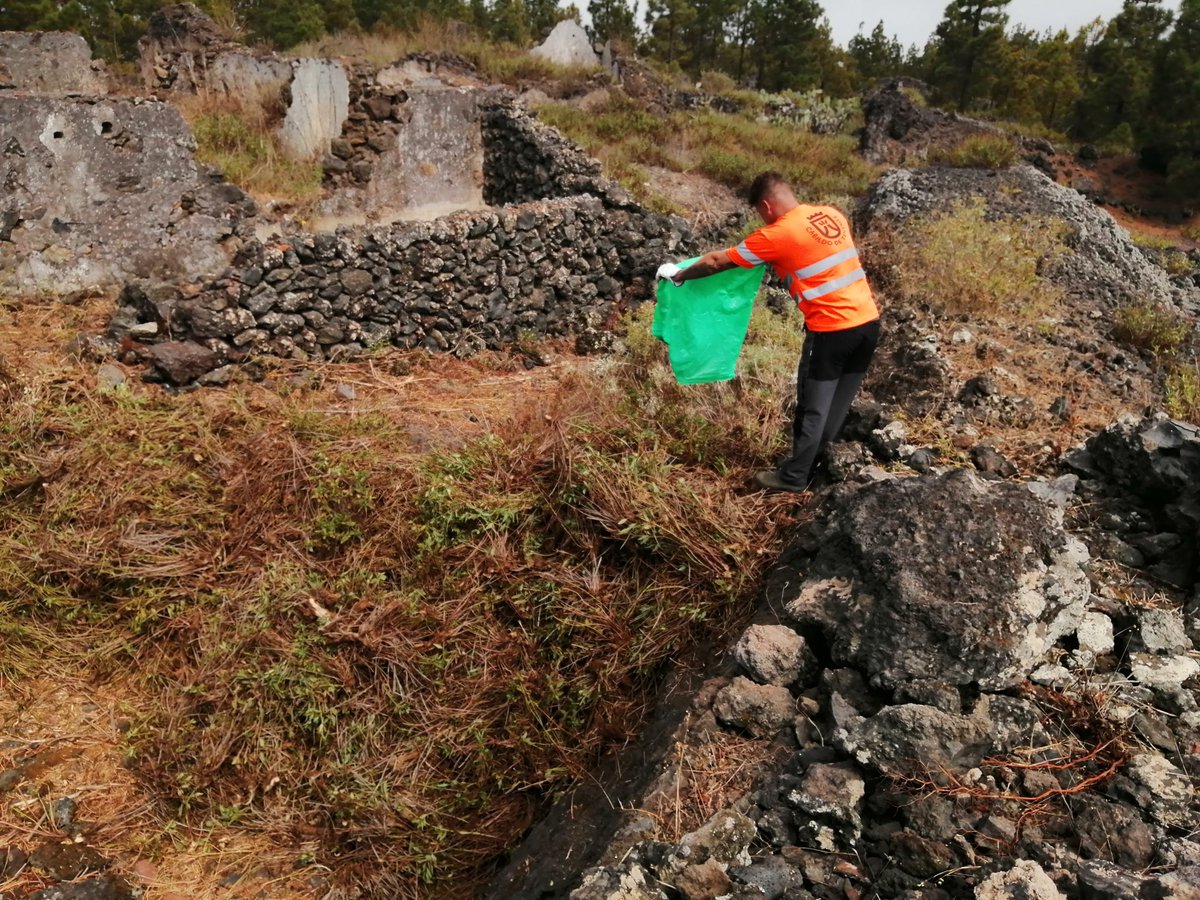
(460, 283)
(183, 50)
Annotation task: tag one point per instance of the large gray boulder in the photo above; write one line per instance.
(568, 45)
(1153, 463)
(50, 62)
(946, 578)
(1103, 266)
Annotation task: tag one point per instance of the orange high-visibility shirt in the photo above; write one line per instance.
(811, 249)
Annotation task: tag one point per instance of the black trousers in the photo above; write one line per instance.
(832, 367)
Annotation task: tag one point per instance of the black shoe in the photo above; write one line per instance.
(773, 481)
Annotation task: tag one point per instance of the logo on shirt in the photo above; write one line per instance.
(826, 225)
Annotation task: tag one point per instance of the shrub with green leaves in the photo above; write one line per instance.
(1182, 390)
(1154, 329)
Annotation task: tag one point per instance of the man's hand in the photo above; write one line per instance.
(671, 272)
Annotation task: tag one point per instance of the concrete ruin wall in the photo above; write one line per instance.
(180, 49)
(183, 51)
(100, 190)
(409, 152)
(50, 62)
(320, 94)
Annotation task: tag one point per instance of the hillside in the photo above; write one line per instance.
(298, 604)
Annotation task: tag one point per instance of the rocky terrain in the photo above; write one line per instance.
(971, 681)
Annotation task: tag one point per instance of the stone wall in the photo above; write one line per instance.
(460, 283)
(525, 159)
(180, 49)
(100, 190)
(551, 266)
(50, 62)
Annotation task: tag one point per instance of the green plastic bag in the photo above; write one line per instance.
(704, 322)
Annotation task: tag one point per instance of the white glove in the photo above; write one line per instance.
(670, 271)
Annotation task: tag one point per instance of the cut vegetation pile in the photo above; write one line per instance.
(371, 627)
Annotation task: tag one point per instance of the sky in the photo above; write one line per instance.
(913, 21)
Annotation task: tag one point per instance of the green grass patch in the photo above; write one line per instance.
(729, 149)
(978, 151)
(240, 141)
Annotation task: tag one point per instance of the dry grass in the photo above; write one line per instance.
(710, 775)
(379, 629)
(495, 61)
(727, 149)
(237, 135)
(964, 261)
(978, 151)
(68, 735)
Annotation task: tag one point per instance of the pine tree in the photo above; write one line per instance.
(1120, 70)
(1172, 125)
(877, 55)
(1036, 78)
(542, 16)
(788, 43)
(965, 43)
(509, 22)
(613, 20)
(25, 15)
(283, 23)
(666, 23)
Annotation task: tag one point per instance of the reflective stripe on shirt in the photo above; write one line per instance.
(824, 265)
(747, 255)
(836, 285)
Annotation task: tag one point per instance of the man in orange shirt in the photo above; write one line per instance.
(811, 249)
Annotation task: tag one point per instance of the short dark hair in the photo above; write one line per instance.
(763, 185)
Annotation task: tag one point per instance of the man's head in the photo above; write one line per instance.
(771, 196)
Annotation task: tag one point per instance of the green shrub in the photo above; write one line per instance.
(962, 261)
(1153, 329)
(716, 82)
(1182, 390)
(978, 151)
(729, 167)
(1118, 142)
(1164, 251)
